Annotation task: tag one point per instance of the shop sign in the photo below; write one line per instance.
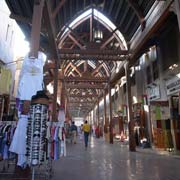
(153, 93)
(173, 85)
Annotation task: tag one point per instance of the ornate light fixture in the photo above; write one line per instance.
(98, 35)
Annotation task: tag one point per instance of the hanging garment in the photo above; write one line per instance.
(5, 81)
(31, 77)
(16, 82)
(18, 144)
(61, 117)
(56, 144)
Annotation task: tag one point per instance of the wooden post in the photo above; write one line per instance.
(54, 113)
(98, 116)
(110, 118)
(177, 6)
(132, 144)
(36, 28)
(105, 111)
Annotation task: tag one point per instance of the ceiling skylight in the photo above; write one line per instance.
(99, 17)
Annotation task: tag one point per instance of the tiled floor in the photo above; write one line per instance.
(103, 161)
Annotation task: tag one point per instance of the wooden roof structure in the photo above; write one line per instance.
(84, 64)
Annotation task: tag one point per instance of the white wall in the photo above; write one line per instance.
(12, 43)
(7, 34)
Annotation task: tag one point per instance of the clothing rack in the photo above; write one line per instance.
(9, 161)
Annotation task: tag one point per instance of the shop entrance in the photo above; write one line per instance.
(175, 116)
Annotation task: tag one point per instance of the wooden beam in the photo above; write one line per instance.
(107, 42)
(138, 12)
(94, 52)
(93, 57)
(83, 96)
(110, 117)
(21, 18)
(36, 29)
(97, 68)
(83, 102)
(51, 30)
(58, 7)
(105, 111)
(156, 21)
(132, 143)
(86, 79)
(84, 86)
(111, 6)
(76, 42)
(77, 36)
(51, 34)
(118, 9)
(91, 28)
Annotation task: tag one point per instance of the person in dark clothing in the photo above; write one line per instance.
(73, 130)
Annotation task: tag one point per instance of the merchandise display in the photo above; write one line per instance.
(6, 134)
(18, 144)
(36, 134)
(160, 116)
(31, 76)
(5, 81)
(56, 141)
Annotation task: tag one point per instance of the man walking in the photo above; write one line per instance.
(73, 130)
(86, 129)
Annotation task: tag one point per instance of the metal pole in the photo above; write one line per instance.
(33, 172)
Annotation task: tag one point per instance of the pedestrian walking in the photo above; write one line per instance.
(74, 132)
(86, 129)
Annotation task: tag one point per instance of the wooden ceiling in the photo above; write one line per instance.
(86, 66)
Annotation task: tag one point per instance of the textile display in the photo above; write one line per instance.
(160, 112)
(56, 141)
(18, 144)
(36, 134)
(31, 77)
(61, 117)
(17, 74)
(5, 81)
(6, 136)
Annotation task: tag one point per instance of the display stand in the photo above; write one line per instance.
(36, 134)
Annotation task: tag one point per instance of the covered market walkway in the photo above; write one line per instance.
(113, 63)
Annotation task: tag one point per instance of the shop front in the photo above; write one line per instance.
(173, 92)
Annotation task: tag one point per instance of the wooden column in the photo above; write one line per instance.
(177, 6)
(132, 144)
(98, 113)
(94, 117)
(110, 118)
(105, 111)
(36, 28)
(55, 89)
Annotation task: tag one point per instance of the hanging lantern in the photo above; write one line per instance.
(98, 35)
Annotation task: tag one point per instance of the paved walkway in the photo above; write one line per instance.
(103, 161)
